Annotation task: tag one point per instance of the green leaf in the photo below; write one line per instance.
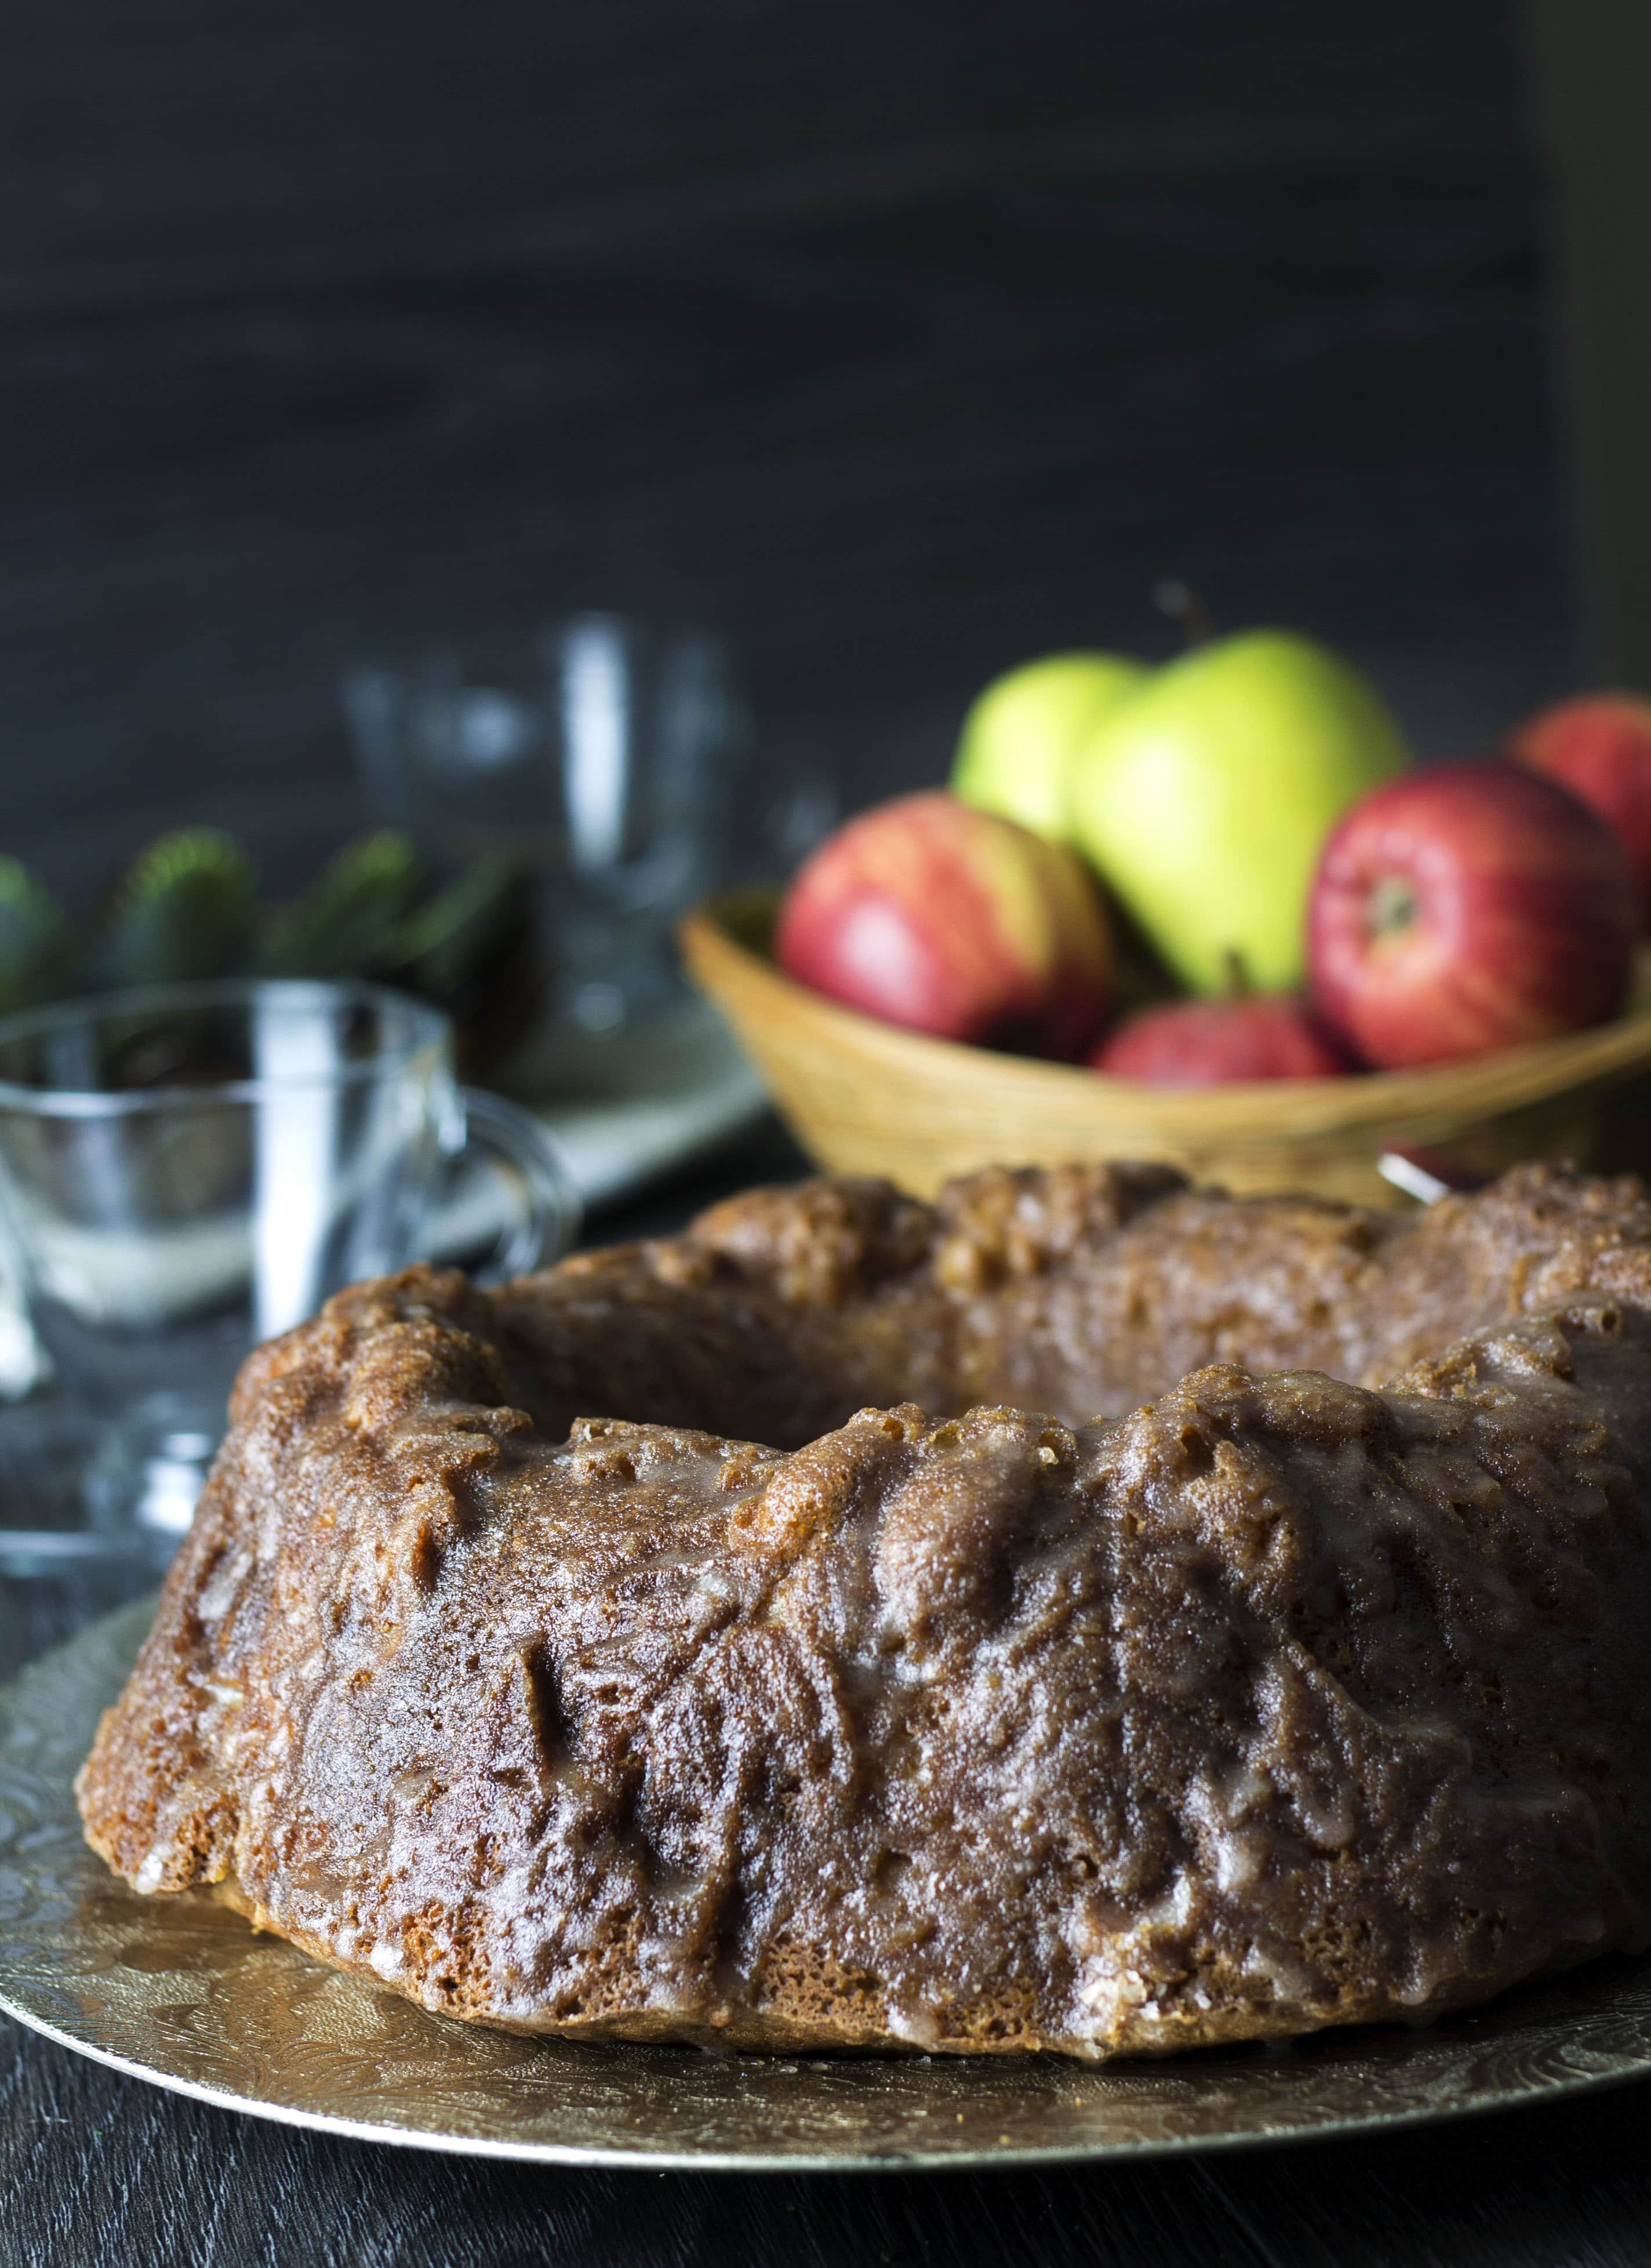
(35, 938)
(187, 907)
(439, 947)
(344, 925)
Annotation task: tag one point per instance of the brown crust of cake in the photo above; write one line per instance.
(958, 1716)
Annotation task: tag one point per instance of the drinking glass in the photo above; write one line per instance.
(187, 1170)
(614, 762)
(596, 761)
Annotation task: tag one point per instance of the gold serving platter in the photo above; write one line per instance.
(179, 1992)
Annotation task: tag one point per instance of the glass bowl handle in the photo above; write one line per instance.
(549, 1211)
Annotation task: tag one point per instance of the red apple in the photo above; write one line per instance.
(1466, 907)
(952, 921)
(1209, 1042)
(1599, 746)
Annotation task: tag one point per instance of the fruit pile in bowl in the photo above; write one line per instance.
(1211, 913)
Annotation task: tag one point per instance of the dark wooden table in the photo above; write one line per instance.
(95, 2168)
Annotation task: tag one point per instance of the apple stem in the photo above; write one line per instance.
(1185, 606)
(1392, 906)
(1238, 985)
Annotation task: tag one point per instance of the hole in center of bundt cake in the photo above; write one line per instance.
(1081, 1290)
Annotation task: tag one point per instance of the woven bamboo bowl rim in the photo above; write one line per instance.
(800, 1039)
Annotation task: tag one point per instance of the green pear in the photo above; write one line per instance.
(1204, 799)
(1020, 737)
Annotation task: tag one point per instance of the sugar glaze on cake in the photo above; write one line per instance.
(1087, 1615)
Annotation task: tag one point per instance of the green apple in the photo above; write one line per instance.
(1021, 736)
(1204, 799)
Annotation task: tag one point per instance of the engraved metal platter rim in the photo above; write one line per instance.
(181, 1993)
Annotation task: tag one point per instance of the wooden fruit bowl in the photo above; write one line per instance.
(868, 1098)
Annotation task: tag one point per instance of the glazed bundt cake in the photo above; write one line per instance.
(1084, 1615)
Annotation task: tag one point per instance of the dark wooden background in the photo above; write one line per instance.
(895, 339)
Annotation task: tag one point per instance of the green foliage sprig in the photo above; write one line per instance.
(345, 924)
(36, 946)
(188, 908)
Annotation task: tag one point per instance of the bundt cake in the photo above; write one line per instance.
(1084, 1615)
